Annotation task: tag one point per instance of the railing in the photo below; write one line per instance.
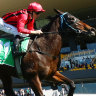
(77, 53)
(77, 69)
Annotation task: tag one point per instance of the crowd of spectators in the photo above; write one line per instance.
(83, 62)
(47, 92)
(20, 92)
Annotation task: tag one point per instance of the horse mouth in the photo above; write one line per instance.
(90, 33)
(93, 31)
(87, 33)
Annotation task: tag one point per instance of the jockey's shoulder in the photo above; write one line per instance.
(24, 11)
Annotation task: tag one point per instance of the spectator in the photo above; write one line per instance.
(64, 90)
(86, 65)
(31, 92)
(67, 67)
(55, 93)
(23, 93)
(28, 91)
(3, 92)
(16, 93)
(92, 65)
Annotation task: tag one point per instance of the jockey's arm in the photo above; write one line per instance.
(21, 24)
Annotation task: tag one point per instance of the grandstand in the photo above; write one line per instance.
(79, 65)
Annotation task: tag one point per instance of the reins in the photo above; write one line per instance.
(50, 33)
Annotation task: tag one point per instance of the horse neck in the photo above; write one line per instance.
(52, 26)
(48, 42)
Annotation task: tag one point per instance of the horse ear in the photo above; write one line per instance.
(58, 11)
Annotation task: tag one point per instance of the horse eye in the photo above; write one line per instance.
(72, 18)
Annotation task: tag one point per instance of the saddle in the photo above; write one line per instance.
(6, 52)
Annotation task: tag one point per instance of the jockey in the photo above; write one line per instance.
(14, 23)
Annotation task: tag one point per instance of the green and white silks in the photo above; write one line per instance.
(6, 56)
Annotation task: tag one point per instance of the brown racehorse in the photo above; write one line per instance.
(41, 59)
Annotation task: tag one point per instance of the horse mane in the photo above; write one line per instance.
(46, 27)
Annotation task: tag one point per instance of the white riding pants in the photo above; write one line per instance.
(4, 46)
(10, 29)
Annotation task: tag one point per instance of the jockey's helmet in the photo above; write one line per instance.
(36, 7)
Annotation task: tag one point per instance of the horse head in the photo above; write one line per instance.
(68, 21)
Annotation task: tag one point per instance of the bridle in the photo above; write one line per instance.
(63, 20)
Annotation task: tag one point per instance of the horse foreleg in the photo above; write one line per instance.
(7, 84)
(60, 78)
(35, 84)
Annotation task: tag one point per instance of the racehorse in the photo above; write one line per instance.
(42, 57)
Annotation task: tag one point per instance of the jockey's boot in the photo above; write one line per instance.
(16, 47)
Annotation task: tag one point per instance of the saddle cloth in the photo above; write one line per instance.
(6, 56)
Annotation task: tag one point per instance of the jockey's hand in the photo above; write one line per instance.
(38, 32)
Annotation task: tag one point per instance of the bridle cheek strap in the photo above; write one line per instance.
(63, 20)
